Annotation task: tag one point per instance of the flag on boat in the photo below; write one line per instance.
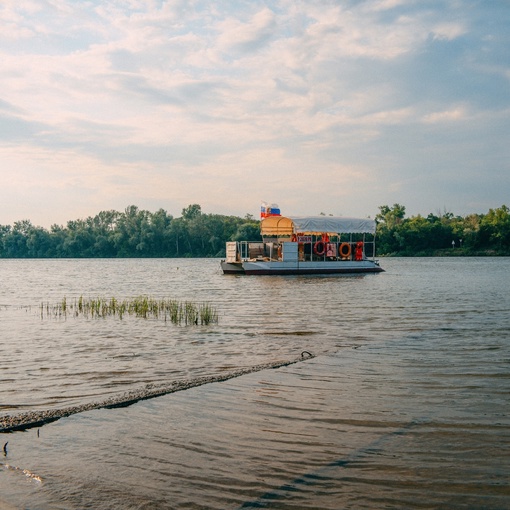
(269, 210)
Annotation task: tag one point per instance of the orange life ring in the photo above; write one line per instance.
(319, 248)
(294, 238)
(279, 251)
(344, 250)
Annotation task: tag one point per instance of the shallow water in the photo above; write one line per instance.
(404, 406)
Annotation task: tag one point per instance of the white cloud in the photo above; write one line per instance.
(456, 114)
(237, 36)
(299, 95)
(448, 31)
(383, 5)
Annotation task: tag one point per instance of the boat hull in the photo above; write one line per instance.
(305, 268)
(232, 267)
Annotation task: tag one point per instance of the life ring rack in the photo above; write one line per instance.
(344, 250)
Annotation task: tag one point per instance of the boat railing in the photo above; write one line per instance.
(308, 251)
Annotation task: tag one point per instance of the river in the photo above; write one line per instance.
(390, 390)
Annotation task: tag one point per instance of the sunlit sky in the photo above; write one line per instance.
(319, 106)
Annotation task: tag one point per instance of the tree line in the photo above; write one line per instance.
(140, 233)
(442, 234)
(131, 233)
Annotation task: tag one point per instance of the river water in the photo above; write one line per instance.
(405, 403)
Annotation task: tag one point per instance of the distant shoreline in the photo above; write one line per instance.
(448, 253)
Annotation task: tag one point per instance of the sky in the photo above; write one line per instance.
(335, 107)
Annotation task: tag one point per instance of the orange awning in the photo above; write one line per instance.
(276, 226)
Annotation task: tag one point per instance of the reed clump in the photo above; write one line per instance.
(146, 307)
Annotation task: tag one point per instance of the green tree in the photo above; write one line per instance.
(389, 237)
(79, 240)
(133, 237)
(191, 212)
(391, 217)
(495, 229)
(160, 234)
(5, 231)
(39, 243)
(247, 231)
(468, 230)
(140, 233)
(16, 240)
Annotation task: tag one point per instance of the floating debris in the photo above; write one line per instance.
(26, 472)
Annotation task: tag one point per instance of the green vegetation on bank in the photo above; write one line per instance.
(132, 233)
(442, 234)
(140, 233)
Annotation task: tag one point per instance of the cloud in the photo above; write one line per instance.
(221, 102)
(9, 108)
(237, 37)
(448, 31)
(456, 114)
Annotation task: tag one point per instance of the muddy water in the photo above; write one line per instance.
(405, 404)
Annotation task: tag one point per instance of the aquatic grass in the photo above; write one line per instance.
(146, 307)
(208, 314)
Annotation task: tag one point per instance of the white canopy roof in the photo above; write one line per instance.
(332, 224)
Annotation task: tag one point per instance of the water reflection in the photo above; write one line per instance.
(360, 428)
(405, 406)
